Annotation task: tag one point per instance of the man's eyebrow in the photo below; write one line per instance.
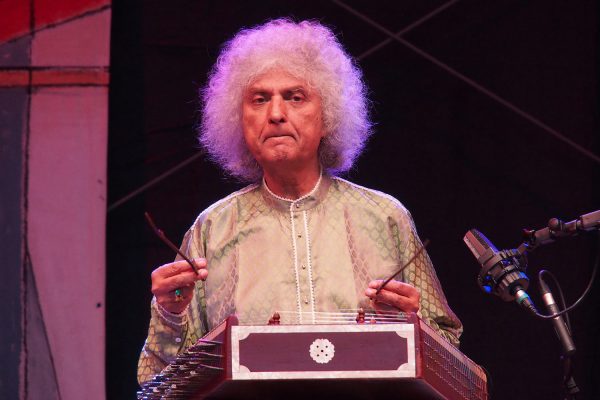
(262, 89)
(256, 89)
(295, 89)
(252, 92)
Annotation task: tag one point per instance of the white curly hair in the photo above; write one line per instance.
(308, 51)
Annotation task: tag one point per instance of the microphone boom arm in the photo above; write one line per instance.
(557, 229)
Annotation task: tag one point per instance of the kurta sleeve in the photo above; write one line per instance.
(434, 308)
(169, 335)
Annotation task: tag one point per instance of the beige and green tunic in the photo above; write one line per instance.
(304, 259)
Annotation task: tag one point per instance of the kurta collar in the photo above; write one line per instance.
(306, 202)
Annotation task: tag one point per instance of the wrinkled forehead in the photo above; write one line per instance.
(277, 77)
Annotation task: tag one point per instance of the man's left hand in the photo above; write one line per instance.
(399, 295)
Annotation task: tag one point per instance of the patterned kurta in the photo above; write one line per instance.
(303, 258)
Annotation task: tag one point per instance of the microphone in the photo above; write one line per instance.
(502, 272)
(560, 327)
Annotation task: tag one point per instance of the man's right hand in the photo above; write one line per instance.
(177, 275)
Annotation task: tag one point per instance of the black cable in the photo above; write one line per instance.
(563, 303)
(585, 293)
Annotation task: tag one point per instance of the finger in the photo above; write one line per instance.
(202, 274)
(400, 295)
(183, 292)
(169, 302)
(402, 303)
(382, 308)
(173, 303)
(165, 285)
(178, 267)
(179, 281)
(186, 292)
(200, 264)
(170, 269)
(395, 286)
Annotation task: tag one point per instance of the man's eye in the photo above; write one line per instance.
(258, 100)
(297, 98)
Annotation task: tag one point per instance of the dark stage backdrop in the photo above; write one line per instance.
(457, 157)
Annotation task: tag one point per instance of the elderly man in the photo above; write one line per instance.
(285, 110)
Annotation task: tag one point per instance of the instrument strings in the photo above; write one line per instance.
(345, 316)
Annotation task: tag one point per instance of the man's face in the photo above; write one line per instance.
(282, 120)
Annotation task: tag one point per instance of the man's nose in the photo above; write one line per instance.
(277, 110)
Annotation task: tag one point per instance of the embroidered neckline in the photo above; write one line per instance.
(311, 193)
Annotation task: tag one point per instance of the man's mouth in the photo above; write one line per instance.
(278, 135)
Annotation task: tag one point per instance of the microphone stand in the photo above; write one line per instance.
(571, 388)
(533, 238)
(503, 274)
